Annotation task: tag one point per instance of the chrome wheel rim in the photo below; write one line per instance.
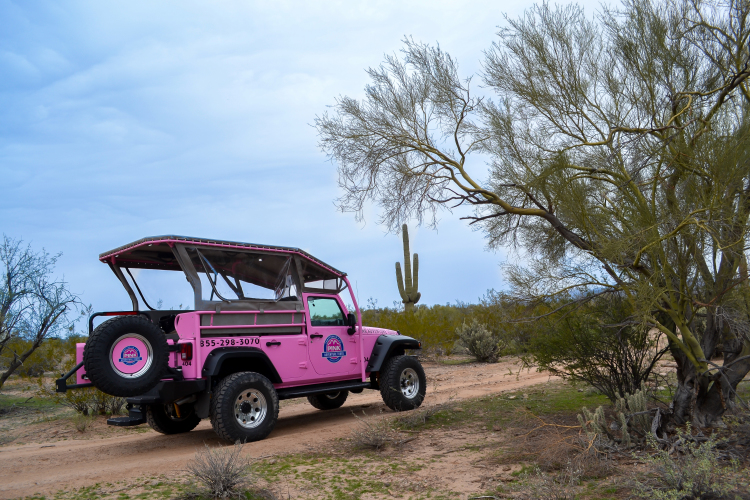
(250, 408)
(149, 354)
(409, 382)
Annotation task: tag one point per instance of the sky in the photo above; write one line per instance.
(122, 120)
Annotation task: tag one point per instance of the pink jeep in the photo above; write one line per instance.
(268, 324)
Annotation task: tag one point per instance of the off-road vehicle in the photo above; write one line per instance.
(268, 324)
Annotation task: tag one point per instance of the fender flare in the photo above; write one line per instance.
(386, 346)
(217, 358)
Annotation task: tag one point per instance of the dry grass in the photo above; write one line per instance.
(421, 416)
(83, 422)
(223, 472)
(558, 446)
(373, 434)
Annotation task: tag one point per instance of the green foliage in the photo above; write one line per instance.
(52, 356)
(599, 343)
(434, 325)
(617, 154)
(85, 401)
(438, 326)
(409, 292)
(479, 341)
(695, 473)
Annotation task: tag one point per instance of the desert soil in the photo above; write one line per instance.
(55, 456)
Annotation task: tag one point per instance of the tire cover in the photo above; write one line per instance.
(126, 356)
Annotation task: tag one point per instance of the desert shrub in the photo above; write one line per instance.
(222, 472)
(479, 341)
(85, 401)
(373, 434)
(599, 343)
(436, 326)
(543, 486)
(695, 474)
(82, 422)
(52, 356)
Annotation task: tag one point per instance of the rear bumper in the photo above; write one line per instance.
(167, 391)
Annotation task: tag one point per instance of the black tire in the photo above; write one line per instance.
(236, 404)
(329, 401)
(126, 333)
(163, 418)
(398, 378)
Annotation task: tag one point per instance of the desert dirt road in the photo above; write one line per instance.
(43, 468)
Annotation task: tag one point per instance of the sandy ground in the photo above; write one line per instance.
(51, 463)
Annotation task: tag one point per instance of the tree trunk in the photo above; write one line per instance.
(703, 398)
(17, 362)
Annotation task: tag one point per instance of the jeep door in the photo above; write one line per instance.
(332, 350)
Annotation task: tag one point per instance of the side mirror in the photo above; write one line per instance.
(351, 321)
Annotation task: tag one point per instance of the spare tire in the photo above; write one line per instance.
(126, 356)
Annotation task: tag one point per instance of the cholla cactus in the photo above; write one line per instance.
(593, 423)
(632, 417)
(636, 405)
(409, 293)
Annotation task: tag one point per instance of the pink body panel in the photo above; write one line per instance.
(82, 371)
(292, 358)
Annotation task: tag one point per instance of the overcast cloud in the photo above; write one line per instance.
(131, 119)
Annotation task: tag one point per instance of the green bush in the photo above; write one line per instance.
(52, 356)
(437, 326)
(479, 341)
(85, 401)
(597, 342)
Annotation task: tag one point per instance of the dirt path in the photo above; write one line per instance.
(47, 467)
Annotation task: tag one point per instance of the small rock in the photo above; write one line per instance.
(271, 462)
(496, 428)
(661, 388)
(458, 409)
(614, 426)
(580, 390)
(511, 397)
(525, 396)
(506, 468)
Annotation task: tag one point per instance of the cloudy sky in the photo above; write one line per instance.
(129, 119)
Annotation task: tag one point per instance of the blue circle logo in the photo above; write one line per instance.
(333, 349)
(130, 355)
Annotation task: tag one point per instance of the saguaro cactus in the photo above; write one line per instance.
(409, 293)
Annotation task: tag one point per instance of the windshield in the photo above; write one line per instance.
(158, 289)
(236, 275)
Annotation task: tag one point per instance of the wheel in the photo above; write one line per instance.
(402, 383)
(163, 418)
(126, 356)
(329, 401)
(244, 408)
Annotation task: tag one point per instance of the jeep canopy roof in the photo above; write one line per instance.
(154, 252)
(270, 267)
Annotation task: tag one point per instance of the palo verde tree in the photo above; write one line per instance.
(33, 304)
(619, 160)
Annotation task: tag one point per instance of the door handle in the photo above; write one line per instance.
(273, 343)
(316, 336)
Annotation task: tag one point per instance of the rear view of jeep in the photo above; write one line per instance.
(268, 323)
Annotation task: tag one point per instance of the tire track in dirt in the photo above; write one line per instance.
(45, 468)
